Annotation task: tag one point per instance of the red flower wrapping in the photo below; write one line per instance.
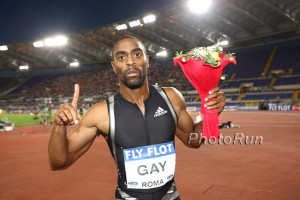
(204, 78)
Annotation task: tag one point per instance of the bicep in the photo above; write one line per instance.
(185, 123)
(185, 126)
(81, 139)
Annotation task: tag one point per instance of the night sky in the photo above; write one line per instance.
(23, 20)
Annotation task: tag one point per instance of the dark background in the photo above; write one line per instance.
(22, 20)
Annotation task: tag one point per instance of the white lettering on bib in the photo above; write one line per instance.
(149, 166)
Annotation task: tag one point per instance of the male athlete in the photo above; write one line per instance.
(139, 124)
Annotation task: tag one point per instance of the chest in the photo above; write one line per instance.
(133, 128)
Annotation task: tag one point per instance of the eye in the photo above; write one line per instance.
(137, 55)
(121, 57)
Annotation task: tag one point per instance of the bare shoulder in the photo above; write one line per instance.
(97, 116)
(173, 94)
(175, 97)
(99, 107)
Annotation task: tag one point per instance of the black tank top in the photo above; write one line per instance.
(133, 129)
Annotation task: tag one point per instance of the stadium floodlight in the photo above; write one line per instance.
(24, 67)
(56, 41)
(199, 6)
(224, 43)
(149, 19)
(162, 54)
(60, 40)
(74, 64)
(39, 43)
(49, 42)
(121, 27)
(134, 23)
(3, 48)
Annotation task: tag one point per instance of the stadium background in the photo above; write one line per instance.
(264, 34)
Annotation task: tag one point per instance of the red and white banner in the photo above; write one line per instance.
(296, 107)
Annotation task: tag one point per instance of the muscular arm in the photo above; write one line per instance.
(186, 128)
(64, 149)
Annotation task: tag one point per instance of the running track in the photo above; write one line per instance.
(267, 171)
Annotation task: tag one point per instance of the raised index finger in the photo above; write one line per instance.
(75, 96)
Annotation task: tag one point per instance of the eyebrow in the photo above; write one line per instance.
(124, 52)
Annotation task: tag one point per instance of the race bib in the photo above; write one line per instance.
(149, 166)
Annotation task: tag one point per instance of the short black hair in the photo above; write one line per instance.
(125, 37)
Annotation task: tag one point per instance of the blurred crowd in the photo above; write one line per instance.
(95, 85)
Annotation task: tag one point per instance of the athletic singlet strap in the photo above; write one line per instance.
(112, 122)
(112, 127)
(163, 94)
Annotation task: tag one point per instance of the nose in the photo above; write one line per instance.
(130, 60)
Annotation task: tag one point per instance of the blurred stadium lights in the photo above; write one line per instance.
(149, 19)
(3, 48)
(24, 67)
(74, 64)
(224, 43)
(224, 77)
(49, 42)
(162, 54)
(134, 23)
(199, 6)
(38, 44)
(121, 27)
(59, 40)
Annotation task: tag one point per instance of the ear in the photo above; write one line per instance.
(113, 66)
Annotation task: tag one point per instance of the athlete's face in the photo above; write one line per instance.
(130, 62)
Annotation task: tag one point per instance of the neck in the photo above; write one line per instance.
(135, 95)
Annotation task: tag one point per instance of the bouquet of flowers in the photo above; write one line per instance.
(203, 67)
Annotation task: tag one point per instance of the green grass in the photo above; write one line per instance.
(22, 119)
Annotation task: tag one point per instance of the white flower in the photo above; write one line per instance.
(201, 52)
(210, 54)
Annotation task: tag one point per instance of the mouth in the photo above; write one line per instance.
(132, 73)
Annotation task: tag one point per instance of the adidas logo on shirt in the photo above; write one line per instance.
(160, 111)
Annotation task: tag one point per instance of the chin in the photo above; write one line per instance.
(134, 84)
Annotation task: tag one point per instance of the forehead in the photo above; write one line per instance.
(128, 44)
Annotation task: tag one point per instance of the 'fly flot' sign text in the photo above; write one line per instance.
(149, 166)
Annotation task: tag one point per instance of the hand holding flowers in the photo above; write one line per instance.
(203, 67)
